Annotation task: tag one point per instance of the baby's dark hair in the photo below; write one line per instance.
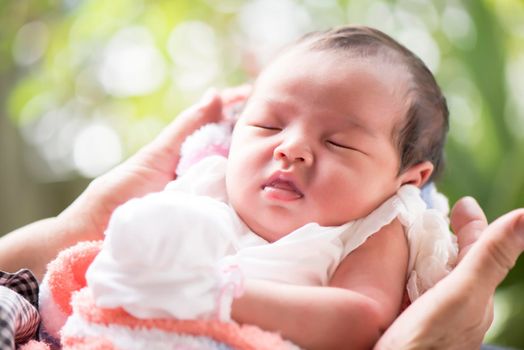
(422, 134)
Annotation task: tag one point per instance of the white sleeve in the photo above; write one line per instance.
(159, 256)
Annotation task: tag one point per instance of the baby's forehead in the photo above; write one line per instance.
(338, 66)
(360, 88)
(378, 60)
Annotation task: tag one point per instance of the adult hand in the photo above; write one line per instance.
(457, 311)
(149, 170)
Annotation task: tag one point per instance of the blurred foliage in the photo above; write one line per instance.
(87, 82)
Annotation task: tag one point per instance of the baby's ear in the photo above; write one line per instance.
(418, 174)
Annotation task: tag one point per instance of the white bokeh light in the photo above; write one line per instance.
(515, 88)
(97, 148)
(379, 15)
(194, 49)
(421, 43)
(52, 136)
(268, 25)
(407, 20)
(465, 111)
(324, 13)
(463, 121)
(226, 6)
(30, 43)
(458, 26)
(132, 65)
(420, 13)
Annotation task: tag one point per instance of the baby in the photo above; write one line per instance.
(319, 190)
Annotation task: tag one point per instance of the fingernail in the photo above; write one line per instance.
(470, 200)
(471, 206)
(208, 96)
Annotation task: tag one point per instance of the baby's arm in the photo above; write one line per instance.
(377, 270)
(364, 297)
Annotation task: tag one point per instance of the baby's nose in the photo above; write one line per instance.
(294, 151)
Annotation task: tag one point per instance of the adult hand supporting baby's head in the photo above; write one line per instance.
(149, 170)
(457, 311)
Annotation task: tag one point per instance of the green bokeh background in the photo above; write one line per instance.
(66, 116)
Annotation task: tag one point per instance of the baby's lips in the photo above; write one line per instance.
(282, 186)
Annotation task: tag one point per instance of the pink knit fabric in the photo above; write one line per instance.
(68, 288)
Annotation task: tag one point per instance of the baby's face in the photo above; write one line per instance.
(315, 142)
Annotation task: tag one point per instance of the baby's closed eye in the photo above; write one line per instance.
(266, 126)
(344, 146)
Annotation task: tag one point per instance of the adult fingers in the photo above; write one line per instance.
(163, 152)
(236, 93)
(496, 251)
(207, 110)
(467, 222)
(234, 100)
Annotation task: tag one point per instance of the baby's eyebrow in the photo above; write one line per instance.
(356, 123)
(282, 109)
(279, 107)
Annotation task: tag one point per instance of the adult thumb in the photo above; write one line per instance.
(494, 254)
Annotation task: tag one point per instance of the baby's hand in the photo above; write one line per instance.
(159, 258)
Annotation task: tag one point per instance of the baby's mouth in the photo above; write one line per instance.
(281, 189)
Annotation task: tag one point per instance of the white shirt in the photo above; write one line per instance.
(183, 252)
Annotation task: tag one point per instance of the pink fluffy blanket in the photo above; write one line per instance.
(71, 320)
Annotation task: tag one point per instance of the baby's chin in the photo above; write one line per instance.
(274, 231)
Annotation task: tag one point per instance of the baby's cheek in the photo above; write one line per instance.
(345, 200)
